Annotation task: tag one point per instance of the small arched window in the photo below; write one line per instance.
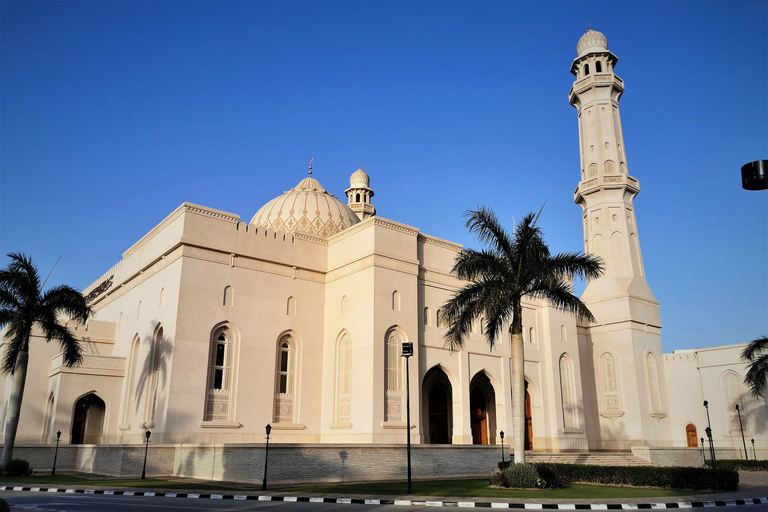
(563, 333)
(229, 296)
(357, 197)
(396, 301)
(653, 382)
(598, 67)
(290, 309)
(531, 335)
(427, 319)
(586, 69)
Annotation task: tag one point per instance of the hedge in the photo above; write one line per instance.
(697, 479)
(740, 465)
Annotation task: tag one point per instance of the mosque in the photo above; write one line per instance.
(211, 327)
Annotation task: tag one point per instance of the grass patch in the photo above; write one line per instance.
(478, 489)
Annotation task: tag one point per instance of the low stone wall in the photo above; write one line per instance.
(287, 463)
(691, 457)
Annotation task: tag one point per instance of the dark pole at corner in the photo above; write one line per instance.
(754, 453)
(703, 458)
(741, 426)
(56, 453)
(268, 428)
(146, 449)
(708, 430)
(502, 445)
(407, 353)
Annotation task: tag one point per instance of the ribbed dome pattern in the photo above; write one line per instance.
(591, 41)
(359, 179)
(306, 208)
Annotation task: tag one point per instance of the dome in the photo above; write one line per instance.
(359, 179)
(306, 208)
(592, 41)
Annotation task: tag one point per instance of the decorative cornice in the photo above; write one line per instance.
(445, 244)
(375, 221)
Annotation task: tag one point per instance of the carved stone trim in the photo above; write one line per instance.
(428, 239)
(612, 415)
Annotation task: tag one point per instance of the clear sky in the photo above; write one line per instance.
(114, 113)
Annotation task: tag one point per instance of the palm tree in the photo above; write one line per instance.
(22, 306)
(756, 354)
(510, 268)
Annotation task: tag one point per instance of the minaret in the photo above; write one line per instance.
(625, 341)
(359, 194)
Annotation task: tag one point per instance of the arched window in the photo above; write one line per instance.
(220, 363)
(155, 355)
(610, 382)
(138, 310)
(586, 69)
(568, 393)
(160, 300)
(343, 304)
(532, 335)
(129, 395)
(563, 334)
(481, 325)
(653, 383)
(290, 308)
(442, 319)
(732, 396)
(393, 377)
(598, 67)
(357, 197)
(427, 319)
(691, 437)
(229, 296)
(48, 420)
(344, 380)
(396, 301)
(285, 388)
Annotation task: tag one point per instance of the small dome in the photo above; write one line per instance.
(359, 179)
(592, 41)
(307, 208)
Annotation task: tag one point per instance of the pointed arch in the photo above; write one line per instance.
(652, 376)
(482, 405)
(154, 371)
(343, 379)
(288, 351)
(568, 393)
(342, 304)
(48, 418)
(733, 395)
(437, 404)
(393, 374)
(129, 393)
(563, 333)
(222, 364)
(609, 379)
(88, 419)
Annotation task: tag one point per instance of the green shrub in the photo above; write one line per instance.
(740, 465)
(549, 477)
(17, 467)
(499, 478)
(504, 464)
(523, 476)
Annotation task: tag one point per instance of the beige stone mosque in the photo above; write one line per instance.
(211, 327)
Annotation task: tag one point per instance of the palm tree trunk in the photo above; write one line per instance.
(518, 397)
(14, 405)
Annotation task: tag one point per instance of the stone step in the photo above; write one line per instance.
(592, 458)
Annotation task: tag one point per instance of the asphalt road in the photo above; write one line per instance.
(59, 502)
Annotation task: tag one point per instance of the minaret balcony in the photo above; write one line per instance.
(606, 181)
(595, 80)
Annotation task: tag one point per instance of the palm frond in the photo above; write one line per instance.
(754, 348)
(559, 295)
(65, 299)
(484, 224)
(587, 266)
(72, 352)
(756, 376)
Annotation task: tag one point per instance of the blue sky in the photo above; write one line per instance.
(114, 113)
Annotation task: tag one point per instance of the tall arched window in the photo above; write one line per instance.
(290, 308)
(155, 354)
(229, 296)
(732, 395)
(598, 67)
(396, 301)
(653, 383)
(129, 395)
(586, 69)
(285, 387)
(344, 380)
(220, 379)
(393, 376)
(563, 334)
(48, 420)
(610, 383)
(427, 319)
(568, 393)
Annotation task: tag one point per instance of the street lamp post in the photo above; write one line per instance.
(56, 453)
(741, 426)
(708, 430)
(407, 353)
(268, 428)
(502, 445)
(146, 449)
(703, 458)
(754, 453)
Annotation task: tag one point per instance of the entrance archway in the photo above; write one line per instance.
(88, 419)
(482, 407)
(438, 406)
(691, 436)
(528, 421)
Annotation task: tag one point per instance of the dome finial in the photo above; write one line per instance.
(590, 24)
(310, 165)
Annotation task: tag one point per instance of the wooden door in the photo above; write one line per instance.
(691, 436)
(528, 423)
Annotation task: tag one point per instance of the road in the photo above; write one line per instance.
(62, 502)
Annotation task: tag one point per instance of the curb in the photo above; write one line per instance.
(420, 503)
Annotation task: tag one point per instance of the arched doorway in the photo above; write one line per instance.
(691, 436)
(482, 407)
(528, 421)
(438, 407)
(88, 420)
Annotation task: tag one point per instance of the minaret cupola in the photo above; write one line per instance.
(359, 194)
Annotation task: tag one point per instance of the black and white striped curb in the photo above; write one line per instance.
(421, 503)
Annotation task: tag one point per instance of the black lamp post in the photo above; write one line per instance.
(703, 458)
(407, 353)
(56, 453)
(754, 453)
(268, 428)
(754, 175)
(741, 426)
(146, 449)
(708, 430)
(502, 445)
